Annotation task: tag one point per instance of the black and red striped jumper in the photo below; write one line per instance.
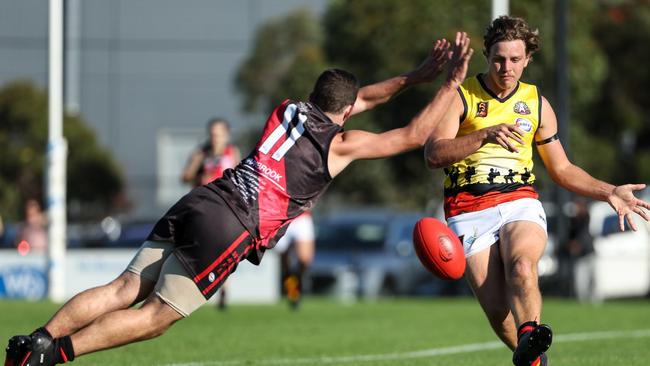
(245, 212)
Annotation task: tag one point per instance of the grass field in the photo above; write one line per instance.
(388, 332)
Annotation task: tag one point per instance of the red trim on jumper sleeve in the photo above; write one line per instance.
(223, 255)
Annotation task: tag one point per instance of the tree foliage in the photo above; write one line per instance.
(286, 57)
(619, 114)
(94, 178)
(380, 39)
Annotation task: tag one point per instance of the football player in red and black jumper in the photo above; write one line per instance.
(202, 238)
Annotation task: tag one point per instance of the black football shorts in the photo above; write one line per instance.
(210, 241)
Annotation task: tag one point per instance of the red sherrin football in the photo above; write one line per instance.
(439, 249)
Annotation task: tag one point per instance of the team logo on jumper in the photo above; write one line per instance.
(524, 124)
(521, 108)
(481, 109)
(211, 277)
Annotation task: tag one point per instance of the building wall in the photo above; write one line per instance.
(144, 66)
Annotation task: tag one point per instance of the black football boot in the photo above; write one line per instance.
(17, 349)
(42, 352)
(534, 340)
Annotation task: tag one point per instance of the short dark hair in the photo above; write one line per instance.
(505, 28)
(334, 90)
(215, 120)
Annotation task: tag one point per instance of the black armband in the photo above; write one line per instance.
(546, 141)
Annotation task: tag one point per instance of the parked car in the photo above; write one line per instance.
(368, 254)
(622, 258)
(108, 233)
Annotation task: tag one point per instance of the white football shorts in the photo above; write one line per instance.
(301, 228)
(480, 229)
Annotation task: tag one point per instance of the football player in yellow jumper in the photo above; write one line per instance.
(485, 147)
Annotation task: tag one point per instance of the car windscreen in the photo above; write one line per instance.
(341, 235)
(405, 232)
(611, 225)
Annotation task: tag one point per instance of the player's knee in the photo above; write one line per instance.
(126, 288)
(158, 316)
(155, 324)
(522, 272)
(159, 328)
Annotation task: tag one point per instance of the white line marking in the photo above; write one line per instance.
(472, 347)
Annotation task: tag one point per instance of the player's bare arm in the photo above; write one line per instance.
(372, 95)
(192, 167)
(355, 144)
(575, 179)
(444, 148)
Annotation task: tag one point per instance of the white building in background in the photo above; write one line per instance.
(145, 74)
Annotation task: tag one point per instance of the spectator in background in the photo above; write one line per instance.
(2, 231)
(213, 157)
(32, 235)
(296, 249)
(580, 253)
(209, 162)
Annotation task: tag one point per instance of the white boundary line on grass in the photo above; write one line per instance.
(472, 347)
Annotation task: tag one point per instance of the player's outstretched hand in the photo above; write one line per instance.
(459, 60)
(625, 203)
(435, 62)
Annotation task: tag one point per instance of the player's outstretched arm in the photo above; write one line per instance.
(355, 144)
(374, 94)
(573, 178)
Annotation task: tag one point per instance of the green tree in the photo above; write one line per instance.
(94, 179)
(619, 116)
(286, 57)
